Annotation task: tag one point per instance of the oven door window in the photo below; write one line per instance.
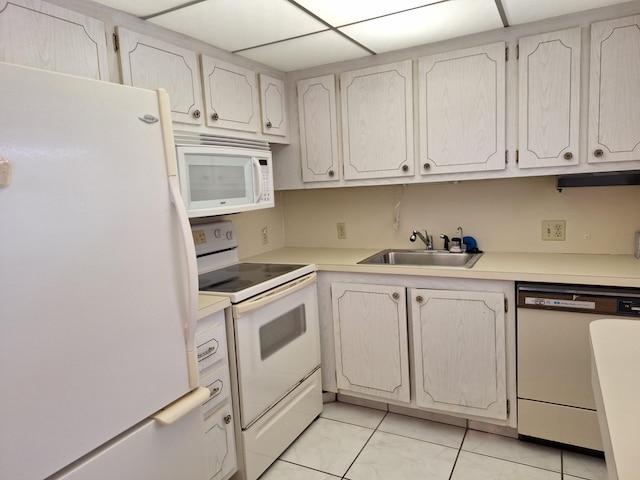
(280, 332)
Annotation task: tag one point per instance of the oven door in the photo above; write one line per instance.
(277, 344)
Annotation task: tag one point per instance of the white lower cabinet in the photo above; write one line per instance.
(220, 443)
(459, 351)
(370, 328)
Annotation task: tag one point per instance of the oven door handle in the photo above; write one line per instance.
(272, 296)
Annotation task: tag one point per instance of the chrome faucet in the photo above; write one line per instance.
(426, 238)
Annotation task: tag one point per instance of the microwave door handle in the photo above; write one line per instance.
(258, 175)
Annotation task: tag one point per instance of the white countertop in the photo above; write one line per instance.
(610, 270)
(210, 304)
(616, 364)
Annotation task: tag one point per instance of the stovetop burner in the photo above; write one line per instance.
(240, 276)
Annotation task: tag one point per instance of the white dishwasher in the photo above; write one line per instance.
(555, 395)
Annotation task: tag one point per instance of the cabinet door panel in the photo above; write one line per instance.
(377, 122)
(462, 110)
(220, 443)
(459, 351)
(549, 99)
(274, 110)
(370, 329)
(231, 95)
(147, 62)
(614, 112)
(318, 129)
(40, 35)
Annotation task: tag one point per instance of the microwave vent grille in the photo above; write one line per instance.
(191, 138)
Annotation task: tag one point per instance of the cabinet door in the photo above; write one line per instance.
(318, 129)
(220, 444)
(274, 110)
(231, 95)
(614, 109)
(147, 62)
(549, 99)
(40, 35)
(459, 351)
(370, 328)
(462, 110)
(377, 122)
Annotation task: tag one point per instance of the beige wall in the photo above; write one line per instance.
(503, 215)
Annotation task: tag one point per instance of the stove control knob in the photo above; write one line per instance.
(229, 235)
(217, 233)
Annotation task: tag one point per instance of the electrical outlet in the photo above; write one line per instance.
(553, 230)
(342, 231)
(265, 236)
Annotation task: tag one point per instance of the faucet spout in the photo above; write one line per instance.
(426, 238)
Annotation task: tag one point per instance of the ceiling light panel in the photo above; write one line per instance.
(339, 12)
(142, 8)
(524, 11)
(235, 25)
(304, 52)
(433, 23)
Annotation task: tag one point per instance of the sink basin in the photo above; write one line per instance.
(429, 258)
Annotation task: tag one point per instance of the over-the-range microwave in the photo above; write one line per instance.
(218, 180)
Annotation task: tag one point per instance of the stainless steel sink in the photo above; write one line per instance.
(429, 258)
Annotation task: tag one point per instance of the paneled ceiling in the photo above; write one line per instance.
(295, 34)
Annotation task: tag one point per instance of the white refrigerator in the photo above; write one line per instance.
(98, 286)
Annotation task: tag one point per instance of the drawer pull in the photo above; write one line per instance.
(207, 352)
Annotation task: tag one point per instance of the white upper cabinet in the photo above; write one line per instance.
(377, 122)
(549, 107)
(614, 110)
(318, 129)
(147, 62)
(462, 110)
(274, 110)
(370, 329)
(41, 35)
(231, 95)
(459, 351)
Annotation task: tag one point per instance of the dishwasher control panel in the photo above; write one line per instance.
(629, 306)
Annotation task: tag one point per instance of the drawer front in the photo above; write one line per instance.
(219, 388)
(211, 346)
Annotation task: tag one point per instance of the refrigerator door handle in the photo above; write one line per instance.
(182, 406)
(187, 236)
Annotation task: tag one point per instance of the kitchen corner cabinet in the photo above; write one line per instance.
(377, 122)
(274, 110)
(459, 351)
(462, 110)
(147, 62)
(45, 36)
(370, 328)
(318, 129)
(231, 95)
(614, 110)
(549, 91)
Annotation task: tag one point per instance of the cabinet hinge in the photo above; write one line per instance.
(116, 42)
(518, 52)
(506, 157)
(517, 156)
(506, 305)
(506, 54)
(508, 407)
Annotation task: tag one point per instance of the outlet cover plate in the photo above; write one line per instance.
(553, 230)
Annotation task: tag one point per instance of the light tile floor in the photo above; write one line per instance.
(358, 443)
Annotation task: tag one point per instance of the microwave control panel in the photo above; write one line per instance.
(265, 175)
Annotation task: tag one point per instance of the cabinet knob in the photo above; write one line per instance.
(196, 114)
(331, 173)
(405, 168)
(426, 166)
(215, 116)
(227, 419)
(419, 299)
(269, 125)
(396, 296)
(568, 156)
(598, 152)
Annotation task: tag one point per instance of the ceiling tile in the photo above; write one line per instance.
(303, 52)
(142, 8)
(234, 24)
(426, 25)
(339, 12)
(523, 11)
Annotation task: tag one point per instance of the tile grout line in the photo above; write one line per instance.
(365, 443)
(466, 429)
